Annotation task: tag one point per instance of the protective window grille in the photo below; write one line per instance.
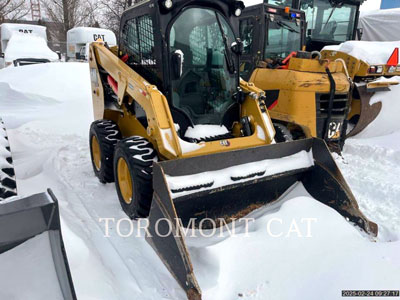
(246, 34)
(138, 37)
(205, 37)
(198, 39)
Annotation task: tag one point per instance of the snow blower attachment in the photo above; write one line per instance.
(22, 221)
(8, 186)
(225, 185)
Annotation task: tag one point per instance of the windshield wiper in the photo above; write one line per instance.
(227, 52)
(330, 16)
(288, 27)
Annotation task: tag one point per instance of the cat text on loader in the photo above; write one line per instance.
(330, 23)
(306, 96)
(183, 137)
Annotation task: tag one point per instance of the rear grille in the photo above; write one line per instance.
(339, 112)
(339, 108)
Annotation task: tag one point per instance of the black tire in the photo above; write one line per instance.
(107, 134)
(139, 155)
(283, 134)
(8, 184)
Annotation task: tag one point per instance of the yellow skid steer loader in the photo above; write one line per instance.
(307, 96)
(183, 137)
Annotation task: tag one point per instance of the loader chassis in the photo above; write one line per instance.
(331, 23)
(300, 93)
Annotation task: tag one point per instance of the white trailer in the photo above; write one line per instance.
(79, 38)
(24, 44)
(380, 25)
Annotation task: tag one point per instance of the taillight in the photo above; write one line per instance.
(375, 69)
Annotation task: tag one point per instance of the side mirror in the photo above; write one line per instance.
(359, 33)
(177, 64)
(1, 55)
(237, 47)
(77, 55)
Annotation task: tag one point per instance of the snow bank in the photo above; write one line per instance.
(304, 250)
(59, 100)
(28, 46)
(28, 272)
(387, 122)
(373, 53)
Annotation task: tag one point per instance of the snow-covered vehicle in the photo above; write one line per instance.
(79, 38)
(380, 25)
(24, 44)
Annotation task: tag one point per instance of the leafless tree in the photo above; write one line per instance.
(13, 9)
(112, 11)
(70, 13)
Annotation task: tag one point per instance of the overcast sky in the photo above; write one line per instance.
(368, 5)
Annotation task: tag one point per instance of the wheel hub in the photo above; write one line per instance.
(124, 180)
(96, 153)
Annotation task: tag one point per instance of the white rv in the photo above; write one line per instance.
(380, 25)
(79, 38)
(24, 44)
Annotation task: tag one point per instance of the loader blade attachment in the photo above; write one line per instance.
(367, 113)
(227, 184)
(26, 218)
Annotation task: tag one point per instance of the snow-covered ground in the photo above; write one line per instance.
(48, 111)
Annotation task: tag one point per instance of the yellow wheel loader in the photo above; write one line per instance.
(332, 22)
(306, 96)
(185, 140)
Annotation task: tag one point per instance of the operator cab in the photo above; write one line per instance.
(190, 51)
(330, 22)
(278, 32)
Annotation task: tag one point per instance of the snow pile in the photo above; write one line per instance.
(373, 53)
(28, 46)
(58, 101)
(205, 131)
(182, 185)
(304, 246)
(28, 272)
(387, 121)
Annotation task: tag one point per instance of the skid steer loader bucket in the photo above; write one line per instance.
(27, 220)
(225, 184)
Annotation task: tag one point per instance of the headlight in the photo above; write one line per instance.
(168, 4)
(238, 12)
(392, 69)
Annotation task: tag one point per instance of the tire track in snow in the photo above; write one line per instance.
(373, 175)
(72, 160)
